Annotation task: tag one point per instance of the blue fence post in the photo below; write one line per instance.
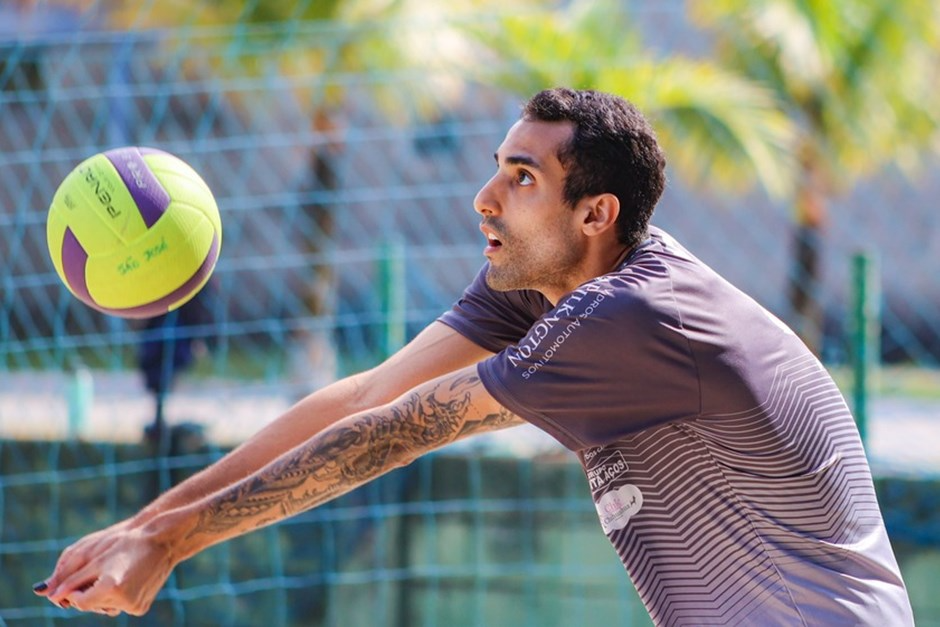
(866, 330)
(392, 282)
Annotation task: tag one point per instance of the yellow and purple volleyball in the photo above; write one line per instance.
(134, 232)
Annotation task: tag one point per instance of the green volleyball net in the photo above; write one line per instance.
(344, 143)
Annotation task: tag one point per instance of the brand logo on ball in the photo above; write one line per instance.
(102, 194)
(134, 168)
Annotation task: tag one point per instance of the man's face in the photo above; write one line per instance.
(533, 236)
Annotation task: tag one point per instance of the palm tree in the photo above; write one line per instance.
(858, 79)
(715, 125)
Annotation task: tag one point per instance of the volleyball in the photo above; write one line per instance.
(134, 232)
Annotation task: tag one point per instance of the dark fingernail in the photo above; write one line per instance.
(42, 586)
(64, 604)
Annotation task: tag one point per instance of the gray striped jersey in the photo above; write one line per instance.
(724, 464)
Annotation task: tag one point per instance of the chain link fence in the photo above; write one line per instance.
(346, 192)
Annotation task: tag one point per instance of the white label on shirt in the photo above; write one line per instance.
(615, 508)
(607, 470)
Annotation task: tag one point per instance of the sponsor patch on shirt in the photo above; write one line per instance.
(606, 469)
(617, 507)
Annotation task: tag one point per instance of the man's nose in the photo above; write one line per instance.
(485, 203)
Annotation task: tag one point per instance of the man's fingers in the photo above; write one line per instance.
(77, 582)
(69, 562)
(42, 589)
(104, 597)
(92, 599)
(95, 597)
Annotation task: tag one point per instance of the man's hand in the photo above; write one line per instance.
(118, 569)
(122, 568)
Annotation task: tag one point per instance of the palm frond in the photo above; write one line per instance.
(857, 75)
(718, 129)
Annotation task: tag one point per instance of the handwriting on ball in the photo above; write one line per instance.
(128, 265)
(153, 251)
(131, 263)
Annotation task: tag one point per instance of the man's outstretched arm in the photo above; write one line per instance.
(437, 350)
(127, 574)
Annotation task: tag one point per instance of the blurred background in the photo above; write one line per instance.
(344, 141)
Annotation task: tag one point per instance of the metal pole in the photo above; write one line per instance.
(392, 276)
(866, 329)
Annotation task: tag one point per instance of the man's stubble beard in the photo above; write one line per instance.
(528, 269)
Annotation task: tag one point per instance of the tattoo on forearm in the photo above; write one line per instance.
(350, 454)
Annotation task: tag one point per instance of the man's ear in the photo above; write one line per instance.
(600, 213)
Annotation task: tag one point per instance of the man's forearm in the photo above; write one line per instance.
(346, 455)
(435, 351)
(308, 417)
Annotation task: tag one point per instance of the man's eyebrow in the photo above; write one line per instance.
(519, 160)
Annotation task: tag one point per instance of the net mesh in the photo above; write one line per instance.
(344, 156)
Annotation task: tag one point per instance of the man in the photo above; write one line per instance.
(725, 467)
(171, 346)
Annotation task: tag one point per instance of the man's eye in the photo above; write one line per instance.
(524, 178)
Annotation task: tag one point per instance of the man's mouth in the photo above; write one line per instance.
(493, 242)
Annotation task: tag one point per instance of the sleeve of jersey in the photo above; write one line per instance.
(598, 367)
(491, 319)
